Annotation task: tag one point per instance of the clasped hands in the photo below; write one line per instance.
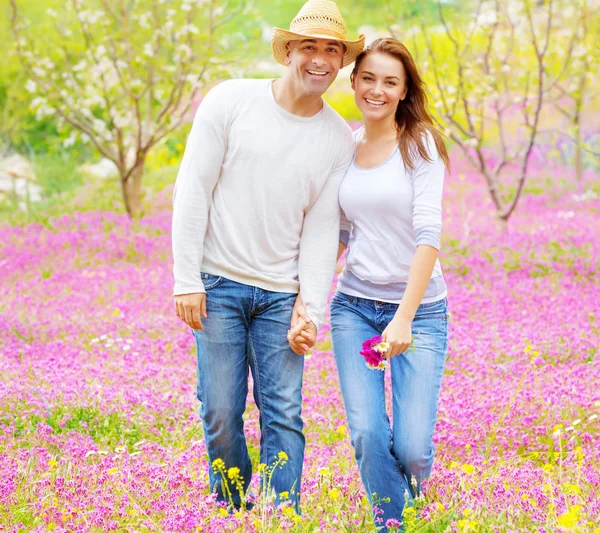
(303, 332)
(191, 308)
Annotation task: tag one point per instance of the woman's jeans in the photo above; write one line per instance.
(388, 459)
(246, 330)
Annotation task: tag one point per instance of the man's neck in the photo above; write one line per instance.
(298, 103)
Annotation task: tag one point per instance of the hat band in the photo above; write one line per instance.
(320, 31)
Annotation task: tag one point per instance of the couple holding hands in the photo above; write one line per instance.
(273, 187)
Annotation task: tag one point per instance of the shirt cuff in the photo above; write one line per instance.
(314, 320)
(188, 289)
(430, 237)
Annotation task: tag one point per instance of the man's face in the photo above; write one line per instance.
(315, 63)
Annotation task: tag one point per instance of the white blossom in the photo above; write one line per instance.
(31, 86)
(185, 51)
(143, 20)
(70, 140)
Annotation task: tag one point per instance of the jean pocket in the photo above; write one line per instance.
(437, 309)
(210, 281)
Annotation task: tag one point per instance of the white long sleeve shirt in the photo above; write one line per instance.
(390, 211)
(256, 197)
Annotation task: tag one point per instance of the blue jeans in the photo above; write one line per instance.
(246, 329)
(389, 459)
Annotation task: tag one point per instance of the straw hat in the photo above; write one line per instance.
(319, 19)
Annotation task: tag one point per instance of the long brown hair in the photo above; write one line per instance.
(413, 120)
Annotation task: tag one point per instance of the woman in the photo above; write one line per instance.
(392, 283)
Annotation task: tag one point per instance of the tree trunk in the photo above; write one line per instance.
(132, 190)
(578, 153)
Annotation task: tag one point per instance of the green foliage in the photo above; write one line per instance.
(343, 103)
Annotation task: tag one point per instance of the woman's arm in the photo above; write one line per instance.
(418, 280)
(428, 183)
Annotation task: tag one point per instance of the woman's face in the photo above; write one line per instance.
(379, 85)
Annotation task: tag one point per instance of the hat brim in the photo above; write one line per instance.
(281, 38)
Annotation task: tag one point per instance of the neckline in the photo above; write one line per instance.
(359, 132)
(286, 113)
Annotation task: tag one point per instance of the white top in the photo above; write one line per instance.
(389, 212)
(256, 197)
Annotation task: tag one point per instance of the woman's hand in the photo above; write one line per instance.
(398, 335)
(302, 334)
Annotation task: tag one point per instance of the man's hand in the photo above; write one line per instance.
(190, 307)
(303, 333)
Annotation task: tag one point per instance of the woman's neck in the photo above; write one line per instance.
(380, 130)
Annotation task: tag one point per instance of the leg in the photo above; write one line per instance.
(364, 399)
(416, 382)
(223, 380)
(277, 373)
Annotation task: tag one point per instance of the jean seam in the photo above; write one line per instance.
(214, 284)
(261, 415)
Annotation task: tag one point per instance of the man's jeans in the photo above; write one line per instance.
(246, 329)
(388, 459)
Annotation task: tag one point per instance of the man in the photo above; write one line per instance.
(256, 222)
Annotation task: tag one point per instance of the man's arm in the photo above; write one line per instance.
(192, 196)
(319, 244)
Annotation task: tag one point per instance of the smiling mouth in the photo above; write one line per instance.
(318, 73)
(374, 103)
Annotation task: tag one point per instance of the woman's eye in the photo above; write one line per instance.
(366, 78)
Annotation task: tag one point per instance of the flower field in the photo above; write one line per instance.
(99, 426)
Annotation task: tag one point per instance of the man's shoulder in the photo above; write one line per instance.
(241, 86)
(336, 120)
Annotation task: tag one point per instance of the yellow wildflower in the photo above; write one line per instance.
(223, 512)
(288, 512)
(570, 518)
(233, 473)
(468, 469)
(284, 495)
(335, 493)
(112, 471)
(282, 456)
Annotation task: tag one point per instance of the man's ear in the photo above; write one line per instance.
(287, 53)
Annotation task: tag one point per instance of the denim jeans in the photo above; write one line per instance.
(388, 459)
(246, 329)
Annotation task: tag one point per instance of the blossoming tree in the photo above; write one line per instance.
(489, 78)
(576, 91)
(123, 74)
